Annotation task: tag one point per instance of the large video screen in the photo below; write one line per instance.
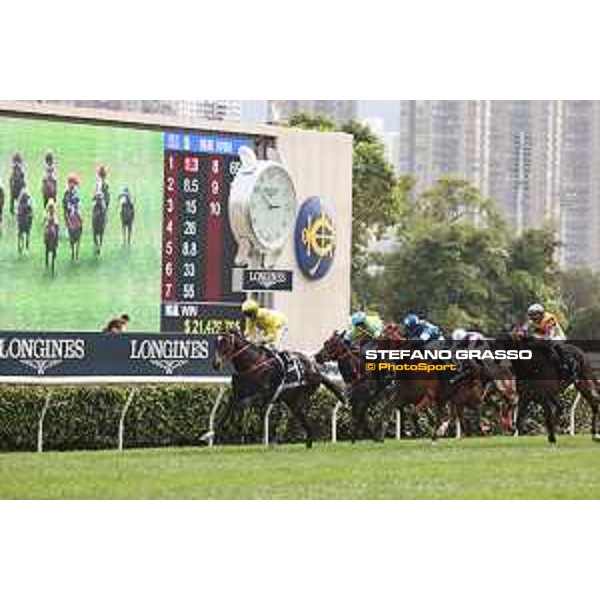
(99, 221)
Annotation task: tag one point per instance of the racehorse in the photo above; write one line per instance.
(51, 243)
(127, 218)
(411, 389)
(99, 221)
(542, 381)
(361, 392)
(24, 221)
(260, 378)
(49, 189)
(498, 382)
(75, 227)
(17, 183)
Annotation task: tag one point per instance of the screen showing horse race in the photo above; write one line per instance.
(99, 221)
(114, 229)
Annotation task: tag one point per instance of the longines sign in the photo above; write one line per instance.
(267, 280)
(100, 356)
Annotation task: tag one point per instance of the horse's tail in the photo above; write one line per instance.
(334, 389)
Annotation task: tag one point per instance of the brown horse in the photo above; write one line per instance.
(49, 188)
(127, 217)
(360, 391)
(75, 228)
(260, 378)
(17, 181)
(24, 221)
(99, 221)
(51, 236)
(541, 381)
(411, 389)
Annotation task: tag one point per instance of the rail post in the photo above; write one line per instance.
(40, 437)
(132, 394)
(398, 424)
(266, 424)
(573, 410)
(209, 437)
(334, 421)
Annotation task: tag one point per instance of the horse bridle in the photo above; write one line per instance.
(342, 351)
(239, 352)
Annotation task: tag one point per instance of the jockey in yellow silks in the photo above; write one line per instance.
(264, 325)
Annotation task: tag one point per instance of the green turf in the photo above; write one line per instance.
(474, 468)
(86, 294)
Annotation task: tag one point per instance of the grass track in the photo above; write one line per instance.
(524, 468)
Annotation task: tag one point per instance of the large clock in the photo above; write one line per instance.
(262, 206)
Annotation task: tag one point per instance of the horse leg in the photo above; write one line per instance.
(438, 409)
(47, 257)
(550, 418)
(521, 409)
(297, 409)
(365, 423)
(589, 390)
(224, 417)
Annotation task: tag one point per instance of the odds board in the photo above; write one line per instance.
(198, 247)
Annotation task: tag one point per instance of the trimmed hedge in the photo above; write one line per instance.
(88, 419)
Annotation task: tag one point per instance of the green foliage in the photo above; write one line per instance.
(88, 418)
(585, 325)
(459, 264)
(580, 288)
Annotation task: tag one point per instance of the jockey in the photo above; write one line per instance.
(420, 329)
(462, 335)
(71, 198)
(364, 327)
(50, 166)
(264, 325)
(543, 325)
(18, 176)
(125, 196)
(102, 184)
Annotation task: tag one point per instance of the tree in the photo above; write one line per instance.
(533, 275)
(379, 197)
(585, 324)
(448, 265)
(580, 288)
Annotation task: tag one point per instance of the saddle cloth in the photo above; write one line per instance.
(293, 369)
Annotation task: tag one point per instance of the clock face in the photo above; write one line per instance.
(272, 207)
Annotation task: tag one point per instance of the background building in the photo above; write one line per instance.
(535, 157)
(337, 110)
(221, 110)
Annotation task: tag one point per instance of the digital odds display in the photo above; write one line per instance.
(98, 221)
